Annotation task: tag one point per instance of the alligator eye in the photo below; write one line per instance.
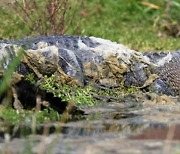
(124, 54)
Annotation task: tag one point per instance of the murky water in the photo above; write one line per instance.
(133, 126)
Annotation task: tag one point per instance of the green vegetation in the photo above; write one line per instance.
(12, 116)
(75, 94)
(78, 95)
(143, 25)
(133, 23)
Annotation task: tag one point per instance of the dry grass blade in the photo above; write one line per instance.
(49, 17)
(57, 25)
(151, 5)
(6, 2)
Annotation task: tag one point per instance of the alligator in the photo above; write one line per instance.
(82, 60)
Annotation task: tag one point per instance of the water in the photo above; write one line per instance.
(133, 126)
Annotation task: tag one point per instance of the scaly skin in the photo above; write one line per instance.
(90, 58)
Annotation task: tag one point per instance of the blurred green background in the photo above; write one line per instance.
(143, 25)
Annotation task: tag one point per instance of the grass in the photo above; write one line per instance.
(13, 117)
(141, 26)
(36, 17)
(132, 23)
(80, 96)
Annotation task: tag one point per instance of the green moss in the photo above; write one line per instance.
(80, 95)
(83, 95)
(118, 92)
(75, 94)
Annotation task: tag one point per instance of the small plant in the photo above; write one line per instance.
(78, 95)
(119, 92)
(83, 95)
(48, 17)
(14, 117)
(31, 77)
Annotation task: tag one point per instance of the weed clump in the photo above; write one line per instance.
(48, 17)
(78, 95)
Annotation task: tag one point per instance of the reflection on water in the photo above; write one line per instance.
(159, 132)
(129, 119)
(121, 125)
(109, 128)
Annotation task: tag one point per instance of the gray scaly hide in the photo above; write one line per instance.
(72, 52)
